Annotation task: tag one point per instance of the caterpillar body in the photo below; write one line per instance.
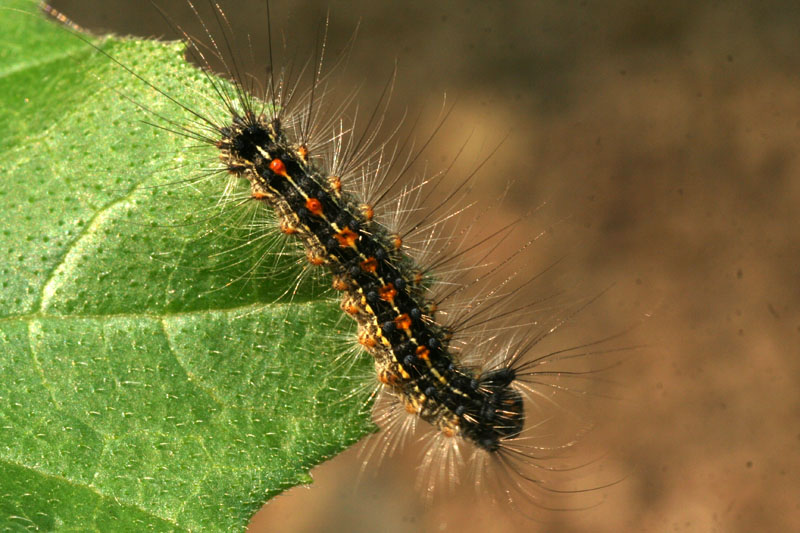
(383, 287)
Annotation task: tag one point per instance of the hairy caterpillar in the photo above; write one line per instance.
(384, 293)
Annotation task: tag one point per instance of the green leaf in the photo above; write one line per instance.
(159, 370)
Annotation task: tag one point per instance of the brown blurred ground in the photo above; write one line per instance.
(664, 138)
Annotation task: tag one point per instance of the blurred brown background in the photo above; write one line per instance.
(663, 137)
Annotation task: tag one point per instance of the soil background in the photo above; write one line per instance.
(662, 140)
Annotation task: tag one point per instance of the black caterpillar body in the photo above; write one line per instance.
(383, 288)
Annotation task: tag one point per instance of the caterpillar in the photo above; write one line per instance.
(382, 285)
(386, 288)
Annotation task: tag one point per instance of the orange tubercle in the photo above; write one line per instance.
(368, 211)
(315, 259)
(369, 265)
(277, 166)
(335, 183)
(340, 284)
(366, 340)
(383, 377)
(403, 321)
(346, 237)
(397, 242)
(315, 206)
(287, 227)
(387, 293)
(350, 307)
(423, 353)
(387, 377)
